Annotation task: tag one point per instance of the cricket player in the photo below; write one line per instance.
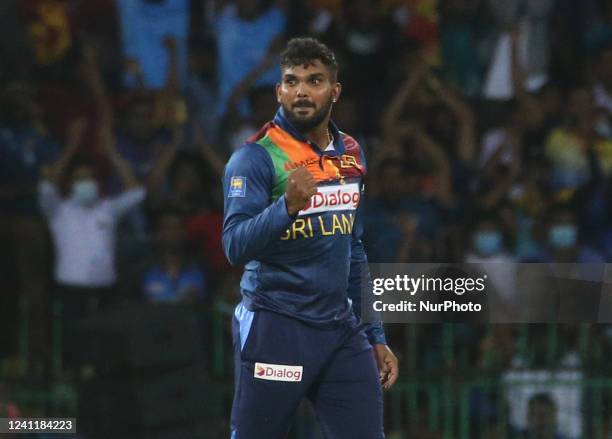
(291, 197)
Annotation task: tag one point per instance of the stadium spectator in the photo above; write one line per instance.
(364, 37)
(440, 153)
(84, 212)
(542, 416)
(246, 30)
(262, 103)
(83, 227)
(398, 220)
(49, 28)
(188, 178)
(568, 146)
(152, 122)
(142, 142)
(487, 241)
(563, 241)
(501, 143)
(146, 26)
(172, 276)
(452, 122)
(259, 98)
(25, 149)
(462, 28)
(200, 87)
(599, 32)
(490, 254)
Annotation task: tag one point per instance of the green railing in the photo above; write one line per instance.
(438, 399)
(448, 408)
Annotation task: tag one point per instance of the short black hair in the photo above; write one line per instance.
(304, 51)
(542, 398)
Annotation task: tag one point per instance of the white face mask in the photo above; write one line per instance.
(85, 192)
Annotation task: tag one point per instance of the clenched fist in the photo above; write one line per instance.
(300, 187)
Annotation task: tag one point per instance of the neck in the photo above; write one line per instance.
(320, 135)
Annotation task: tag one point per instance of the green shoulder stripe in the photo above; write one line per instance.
(279, 158)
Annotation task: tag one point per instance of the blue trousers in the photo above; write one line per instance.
(280, 360)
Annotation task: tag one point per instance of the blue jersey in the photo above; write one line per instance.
(309, 266)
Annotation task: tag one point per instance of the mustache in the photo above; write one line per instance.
(303, 104)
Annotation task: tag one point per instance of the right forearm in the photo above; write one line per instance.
(245, 239)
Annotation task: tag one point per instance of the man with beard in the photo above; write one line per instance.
(291, 196)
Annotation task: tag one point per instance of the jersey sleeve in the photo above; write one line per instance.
(359, 273)
(252, 220)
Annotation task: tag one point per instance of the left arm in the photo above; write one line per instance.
(385, 359)
(359, 271)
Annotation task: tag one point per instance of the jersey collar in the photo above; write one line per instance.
(281, 121)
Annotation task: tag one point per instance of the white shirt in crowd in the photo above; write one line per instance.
(84, 237)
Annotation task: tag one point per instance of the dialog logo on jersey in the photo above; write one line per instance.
(333, 197)
(278, 372)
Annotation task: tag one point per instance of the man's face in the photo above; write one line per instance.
(306, 94)
(542, 419)
(82, 173)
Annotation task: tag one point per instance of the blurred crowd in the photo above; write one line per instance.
(487, 127)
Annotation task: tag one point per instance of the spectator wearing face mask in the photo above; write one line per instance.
(487, 242)
(563, 243)
(490, 255)
(83, 225)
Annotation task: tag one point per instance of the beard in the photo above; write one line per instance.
(305, 124)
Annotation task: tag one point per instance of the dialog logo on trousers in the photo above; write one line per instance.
(278, 372)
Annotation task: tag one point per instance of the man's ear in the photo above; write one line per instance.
(336, 92)
(278, 94)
